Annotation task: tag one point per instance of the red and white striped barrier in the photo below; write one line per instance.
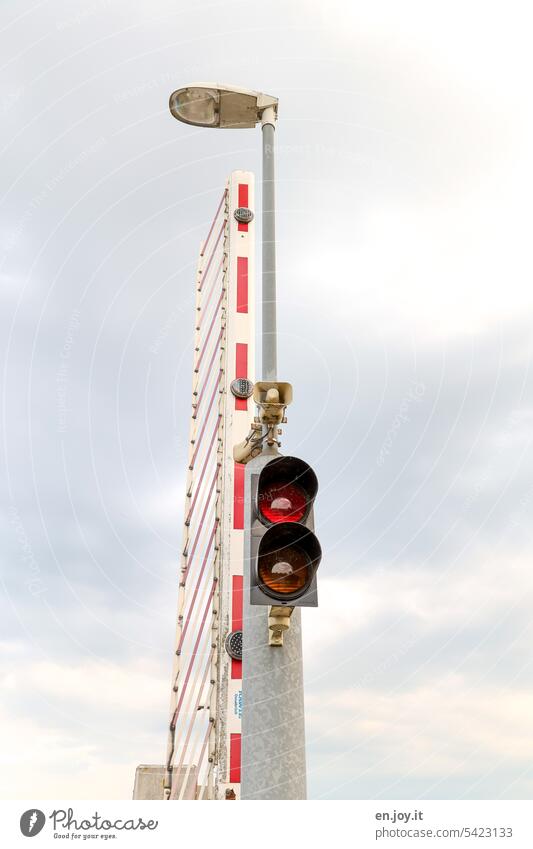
(204, 744)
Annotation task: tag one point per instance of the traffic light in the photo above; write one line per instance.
(284, 551)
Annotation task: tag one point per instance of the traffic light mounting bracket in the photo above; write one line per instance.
(279, 621)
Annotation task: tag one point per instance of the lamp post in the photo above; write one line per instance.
(227, 107)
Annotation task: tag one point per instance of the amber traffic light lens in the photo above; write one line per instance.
(284, 503)
(286, 571)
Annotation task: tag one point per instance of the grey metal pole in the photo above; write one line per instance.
(273, 725)
(269, 346)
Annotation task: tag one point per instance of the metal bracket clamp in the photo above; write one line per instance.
(250, 447)
(279, 621)
(272, 399)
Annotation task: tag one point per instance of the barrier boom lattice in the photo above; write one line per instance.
(204, 741)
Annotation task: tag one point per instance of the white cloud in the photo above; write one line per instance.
(430, 731)
(461, 38)
(466, 595)
(428, 270)
(135, 686)
(87, 730)
(165, 505)
(53, 764)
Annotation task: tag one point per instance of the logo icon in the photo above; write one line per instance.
(32, 822)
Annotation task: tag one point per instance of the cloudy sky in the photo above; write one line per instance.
(406, 308)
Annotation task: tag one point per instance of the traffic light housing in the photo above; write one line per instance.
(284, 551)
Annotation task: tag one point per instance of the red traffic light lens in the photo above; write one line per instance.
(284, 503)
(286, 571)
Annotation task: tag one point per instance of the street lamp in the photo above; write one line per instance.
(228, 107)
(212, 105)
(273, 764)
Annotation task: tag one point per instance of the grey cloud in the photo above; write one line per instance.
(380, 127)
